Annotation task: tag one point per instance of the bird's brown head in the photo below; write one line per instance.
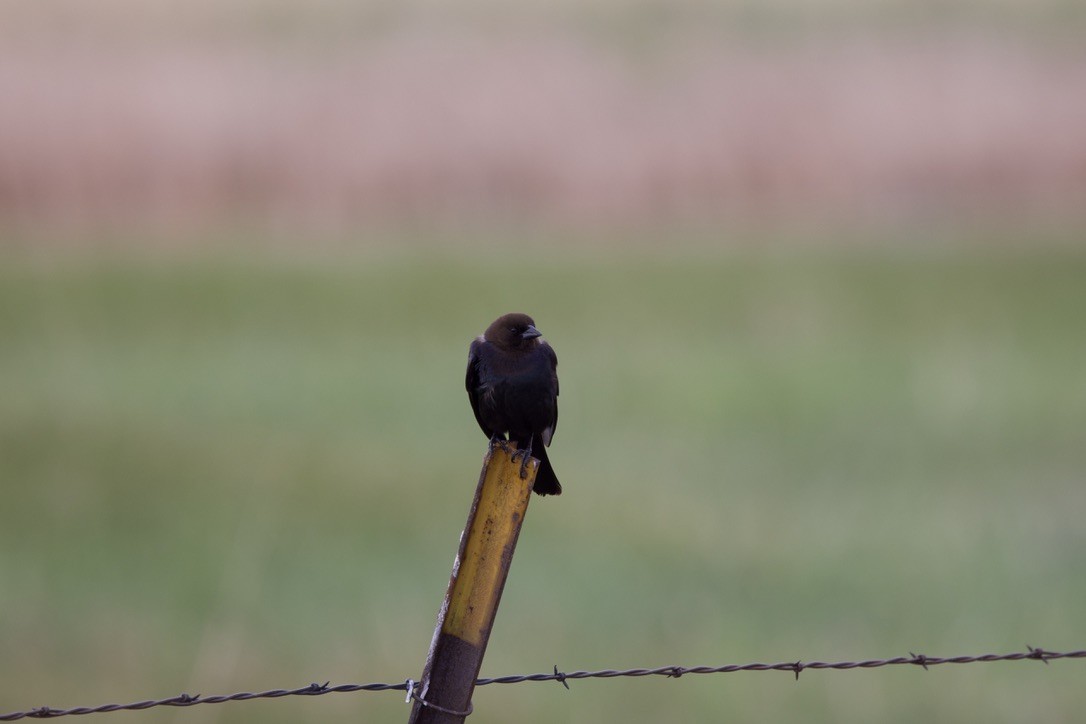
(513, 331)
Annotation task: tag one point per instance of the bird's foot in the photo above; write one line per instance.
(525, 454)
(496, 440)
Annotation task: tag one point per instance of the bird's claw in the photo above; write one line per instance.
(496, 441)
(524, 466)
(525, 454)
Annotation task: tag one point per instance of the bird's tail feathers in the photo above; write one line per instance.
(546, 482)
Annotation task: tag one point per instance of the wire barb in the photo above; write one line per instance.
(671, 672)
(1040, 654)
(919, 660)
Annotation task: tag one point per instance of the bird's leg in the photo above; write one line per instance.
(526, 454)
(496, 440)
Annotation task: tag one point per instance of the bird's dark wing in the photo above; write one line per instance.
(548, 433)
(472, 382)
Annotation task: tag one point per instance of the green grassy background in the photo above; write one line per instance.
(222, 474)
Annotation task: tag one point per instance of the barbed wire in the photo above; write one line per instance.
(673, 672)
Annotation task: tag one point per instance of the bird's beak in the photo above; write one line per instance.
(531, 333)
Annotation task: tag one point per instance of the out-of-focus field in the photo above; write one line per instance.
(222, 475)
(125, 118)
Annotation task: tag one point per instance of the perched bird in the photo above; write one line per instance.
(512, 383)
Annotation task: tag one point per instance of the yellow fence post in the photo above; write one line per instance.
(443, 695)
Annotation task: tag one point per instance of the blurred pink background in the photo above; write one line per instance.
(329, 118)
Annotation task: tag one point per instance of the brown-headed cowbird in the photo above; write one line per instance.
(513, 387)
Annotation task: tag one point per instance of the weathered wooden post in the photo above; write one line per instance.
(443, 695)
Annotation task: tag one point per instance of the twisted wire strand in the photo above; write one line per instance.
(795, 667)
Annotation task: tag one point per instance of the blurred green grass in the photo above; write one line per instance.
(223, 474)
